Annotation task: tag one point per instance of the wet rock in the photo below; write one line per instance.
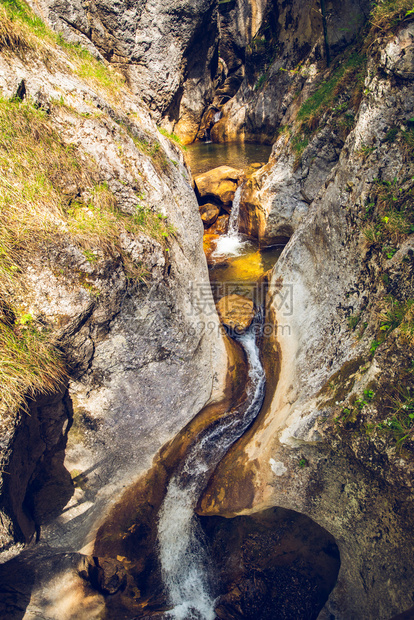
(220, 225)
(104, 574)
(209, 244)
(236, 312)
(218, 185)
(209, 214)
(303, 448)
(122, 311)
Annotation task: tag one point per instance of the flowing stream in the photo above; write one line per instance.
(185, 566)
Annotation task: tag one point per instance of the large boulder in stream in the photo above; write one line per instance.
(218, 185)
(236, 312)
(209, 214)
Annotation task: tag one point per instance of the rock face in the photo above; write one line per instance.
(290, 38)
(140, 362)
(167, 51)
(325, 446)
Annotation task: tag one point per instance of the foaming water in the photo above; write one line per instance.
(229, 246)
(183, 553)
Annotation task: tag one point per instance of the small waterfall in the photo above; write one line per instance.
(232, 244)
(233, 228)
(182, 549)
(216, 118)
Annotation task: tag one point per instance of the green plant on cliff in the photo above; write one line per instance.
(173, 137)
(153, 149)
(399, 422)
(390, 214)
(339, 94)
(29, 363)
(348, 74)
(398, 314)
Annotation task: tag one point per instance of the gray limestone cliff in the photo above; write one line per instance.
(127, 307)
(336, 441)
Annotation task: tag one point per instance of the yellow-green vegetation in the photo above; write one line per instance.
(386, 14)
(340, 94)
(153, 149)
(389, 214)
(398, 314)
(399, 423)
(40, 176)
(24, 34)
(356, 405)
(348, 76)
(173, 137)
(29, 363)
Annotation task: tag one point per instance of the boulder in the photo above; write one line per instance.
(236, 312)
(106, 575)
(220, 225)
(218, 185)
(209, 214)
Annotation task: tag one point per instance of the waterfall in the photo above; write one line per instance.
(233, 227)
(184, 559)
(217, 117)
(232, 244)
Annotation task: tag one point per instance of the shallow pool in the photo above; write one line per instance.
(243, 274)
(203, 156)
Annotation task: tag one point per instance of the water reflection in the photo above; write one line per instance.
(203, 156)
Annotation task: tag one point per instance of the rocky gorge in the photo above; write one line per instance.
(118, 377)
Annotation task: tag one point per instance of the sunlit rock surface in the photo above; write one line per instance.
(313, 450)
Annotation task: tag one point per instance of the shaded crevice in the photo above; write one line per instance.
(274, 565)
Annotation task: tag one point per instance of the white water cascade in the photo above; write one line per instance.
(232, 243)
(185, 564)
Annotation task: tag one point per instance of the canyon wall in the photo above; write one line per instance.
(129, 310)
(289, 47)
(336, 441)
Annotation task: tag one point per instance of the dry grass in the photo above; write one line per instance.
(29, 364)
(41, 179)
(386, 14)
(20, 29)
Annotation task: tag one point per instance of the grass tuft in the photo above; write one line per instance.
(387, 14)
(29, 364)
(173, 137)
(23, 33)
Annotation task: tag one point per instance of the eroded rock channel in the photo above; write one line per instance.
(224, 438)
(157, 555)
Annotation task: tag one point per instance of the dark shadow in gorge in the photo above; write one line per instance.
(16, 582)
(273, 565)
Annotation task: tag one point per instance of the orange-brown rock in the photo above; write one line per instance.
(220, 225)
(209, 244)
(209, 214)
(236, 312)
(218, 185)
